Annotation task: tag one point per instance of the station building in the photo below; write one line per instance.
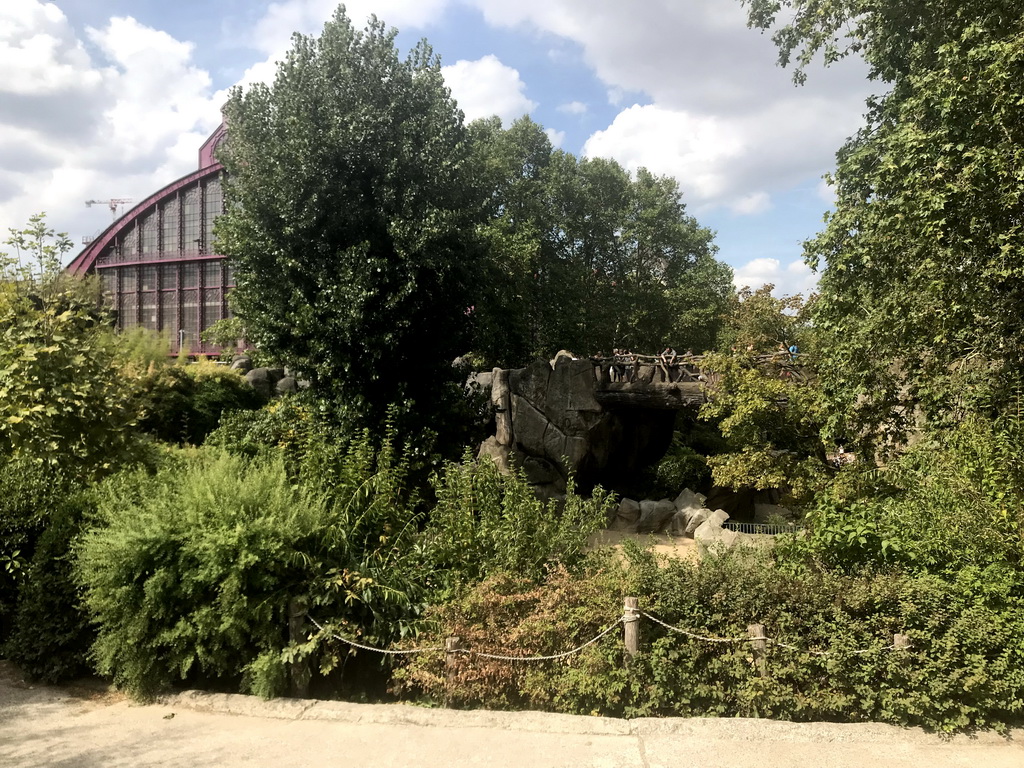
(158, 263)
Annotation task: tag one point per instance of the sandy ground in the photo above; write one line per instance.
(90, 727)
(661, 543)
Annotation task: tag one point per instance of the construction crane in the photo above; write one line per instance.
(113, 204)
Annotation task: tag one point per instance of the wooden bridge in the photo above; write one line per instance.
(670, 383)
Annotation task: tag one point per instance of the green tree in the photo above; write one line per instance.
(351, 220)
(921, 284)
(585, 256)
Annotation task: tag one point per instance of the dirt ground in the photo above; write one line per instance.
(661, 543)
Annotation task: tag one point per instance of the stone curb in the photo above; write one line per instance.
(711, 728)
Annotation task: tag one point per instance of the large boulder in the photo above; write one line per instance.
(654, 515)
(772, 513)
(241, 363)
(497, 453)
(627, 516)
(286, 386)
(260, 380)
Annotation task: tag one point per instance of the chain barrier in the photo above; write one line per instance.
(466, 651)
(771, 640)
(628, 617)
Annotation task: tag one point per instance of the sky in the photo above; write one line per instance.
(103, 99)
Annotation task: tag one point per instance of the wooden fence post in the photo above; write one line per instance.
(297, 634)
(759, 646)
(451, 646)
(631, 627)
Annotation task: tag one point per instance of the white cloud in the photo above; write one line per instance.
(487, 87)
(700, 67)
(120, 123)
(272, 33)
(573, 108)
(755, 202)
(793, 278)
(691, 148)
(555, 137)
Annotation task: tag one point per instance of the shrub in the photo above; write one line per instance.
(964, 668)
(485, 522)
(51, 633)
(951, 502)
(189, 572)
(184, 403)
(514, 615)
(28, 491)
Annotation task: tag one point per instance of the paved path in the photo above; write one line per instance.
(86, 728)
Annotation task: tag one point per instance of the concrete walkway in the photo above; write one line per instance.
(87, 727)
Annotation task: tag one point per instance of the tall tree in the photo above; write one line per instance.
(586, 257)
(923, 257)
(351, 219)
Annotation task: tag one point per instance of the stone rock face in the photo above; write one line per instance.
(241, 363)
(498, 453)
(770, 513)
(627, 516)
(287, 385)
(548, 411)
(712, 539)
(654, 515)
(260, 380)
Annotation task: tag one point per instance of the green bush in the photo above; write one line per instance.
(184, 403)
(189, 572)
(51, 633)
(953, 501)
(964, 669)
(485, 522)
(28, 491)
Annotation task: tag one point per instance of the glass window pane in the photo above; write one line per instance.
(212, 208)
(169, 314)
(190, 317)
(229, 273)
(192, 219)
(130, 245)
(150, 315)
(190, 275)
(127, 311)
(168, 275)
(213, 306)
(150, 235)
(147, 277)
(171, 222)
(108, 279)
(129, 279)
(212, 277)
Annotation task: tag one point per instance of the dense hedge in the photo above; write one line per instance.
(965, 668)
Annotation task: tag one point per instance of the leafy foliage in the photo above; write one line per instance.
(921, 281)
(62, 398)
(51, 634)
(770, 416)
(962, 671)
(485, 522)
(184, 403)
(350, 221)
(949, 505)
(189, 571)
(564, 232)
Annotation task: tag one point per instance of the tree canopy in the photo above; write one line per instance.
(583, 256)
(350, 219)
(921, 283)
